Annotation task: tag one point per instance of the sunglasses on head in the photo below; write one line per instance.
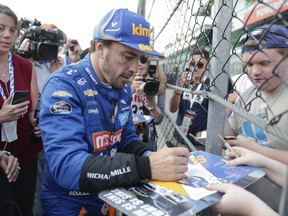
(257, 34)
(143, 59)
(198, 65)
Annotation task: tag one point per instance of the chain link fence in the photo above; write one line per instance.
(216, 26)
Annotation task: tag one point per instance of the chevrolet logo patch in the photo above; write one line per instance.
(62, 94)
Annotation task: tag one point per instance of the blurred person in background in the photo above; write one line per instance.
(195, 106)
(17, 122)
(148, 97)
(45, 64)
(71, 51)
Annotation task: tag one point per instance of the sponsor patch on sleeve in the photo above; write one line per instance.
(123, 118)
(61, 107)
(62, 94)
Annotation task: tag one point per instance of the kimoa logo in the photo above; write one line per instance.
(140, 30)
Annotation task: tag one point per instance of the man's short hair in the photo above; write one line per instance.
(204, 53)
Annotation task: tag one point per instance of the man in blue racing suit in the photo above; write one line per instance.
(89, 138)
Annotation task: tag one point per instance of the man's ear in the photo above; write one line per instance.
(99, 47)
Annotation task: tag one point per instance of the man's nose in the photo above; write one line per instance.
(134, 66)
(255, 70)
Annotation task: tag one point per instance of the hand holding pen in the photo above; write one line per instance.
(246, 157)
(226, 144)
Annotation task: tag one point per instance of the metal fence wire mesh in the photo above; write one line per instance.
(216, 26)
(179, 27)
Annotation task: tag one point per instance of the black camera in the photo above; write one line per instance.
(151, 86)
(43, 44)
(189, 74)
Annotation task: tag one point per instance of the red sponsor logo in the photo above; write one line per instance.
(102, 140)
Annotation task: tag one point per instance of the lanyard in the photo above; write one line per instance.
(192, 98)
(112, 120)
(11, 78)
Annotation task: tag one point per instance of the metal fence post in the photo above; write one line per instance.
(220, 54)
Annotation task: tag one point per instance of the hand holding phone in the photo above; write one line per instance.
(20, 96)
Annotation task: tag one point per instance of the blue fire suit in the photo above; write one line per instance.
(89, 141)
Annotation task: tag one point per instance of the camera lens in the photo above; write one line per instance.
(151, 88)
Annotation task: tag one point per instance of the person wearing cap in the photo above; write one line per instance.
(142, 123)
(264, 52)
(89, 138)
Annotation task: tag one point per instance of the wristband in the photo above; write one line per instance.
(150, 108)
(147, 153)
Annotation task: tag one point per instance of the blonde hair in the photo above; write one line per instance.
(162, 79)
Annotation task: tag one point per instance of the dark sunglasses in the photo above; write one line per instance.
(143, 59)
(198, 65)
(72, 48)
(257, 34)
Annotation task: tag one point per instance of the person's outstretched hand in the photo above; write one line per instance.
(169, 164)
(238, 201)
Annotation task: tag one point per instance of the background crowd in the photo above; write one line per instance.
(81, 116)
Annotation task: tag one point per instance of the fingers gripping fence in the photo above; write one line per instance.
(219, 27)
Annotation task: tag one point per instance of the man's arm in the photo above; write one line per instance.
(175, 101)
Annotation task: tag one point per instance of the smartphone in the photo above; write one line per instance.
(20, 96)
(230, 137)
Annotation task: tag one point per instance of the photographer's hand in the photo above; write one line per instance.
(136, 84)
(183, 79)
